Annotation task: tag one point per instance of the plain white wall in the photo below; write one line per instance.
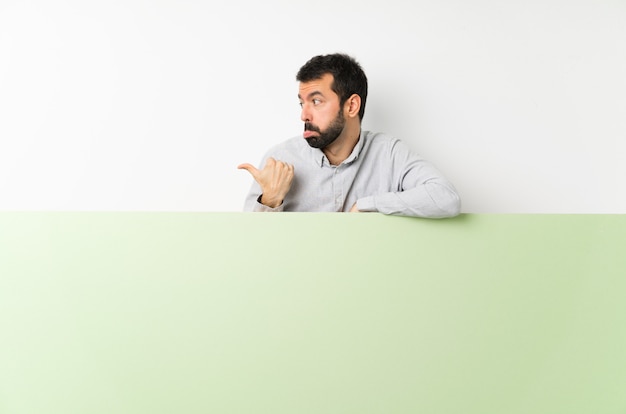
(151, 105)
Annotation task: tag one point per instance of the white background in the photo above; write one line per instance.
(151, 105)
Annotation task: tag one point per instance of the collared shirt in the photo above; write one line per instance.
(381, 174)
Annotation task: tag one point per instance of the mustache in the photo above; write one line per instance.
(310, 127)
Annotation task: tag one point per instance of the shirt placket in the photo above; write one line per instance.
(338, 188)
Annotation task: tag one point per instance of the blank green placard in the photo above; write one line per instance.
(311, 313)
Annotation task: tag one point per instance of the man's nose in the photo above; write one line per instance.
(305, 115)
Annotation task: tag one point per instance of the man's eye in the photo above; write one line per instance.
(316, 101)
(301, 104)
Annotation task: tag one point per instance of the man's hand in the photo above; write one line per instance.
(275, 180)
(354, 209)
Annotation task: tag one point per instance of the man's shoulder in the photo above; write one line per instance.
(289, 150)
(377, 136)
(379, 141)
(291, 144)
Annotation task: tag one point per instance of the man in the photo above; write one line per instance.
(335, 166)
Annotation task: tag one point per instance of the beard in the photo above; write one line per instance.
(328, 136)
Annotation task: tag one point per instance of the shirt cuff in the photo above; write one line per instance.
(366, 204)
(262, 208)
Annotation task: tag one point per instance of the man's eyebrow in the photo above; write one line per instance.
(312, 94)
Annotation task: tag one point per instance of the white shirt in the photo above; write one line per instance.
(381, 174)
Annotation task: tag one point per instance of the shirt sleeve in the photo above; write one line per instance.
(259, 207)
(421, 190)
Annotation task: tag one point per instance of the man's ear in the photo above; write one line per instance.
(353, 105)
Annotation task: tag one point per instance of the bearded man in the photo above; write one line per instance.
(336, 166)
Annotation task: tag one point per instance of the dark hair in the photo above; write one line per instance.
(348, 76)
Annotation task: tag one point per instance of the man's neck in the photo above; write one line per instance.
(342, 147)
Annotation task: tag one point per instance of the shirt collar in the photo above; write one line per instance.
(321, 159)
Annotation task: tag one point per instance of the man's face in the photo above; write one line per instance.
(322, 115)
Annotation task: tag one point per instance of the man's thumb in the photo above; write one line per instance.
(250, 168)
